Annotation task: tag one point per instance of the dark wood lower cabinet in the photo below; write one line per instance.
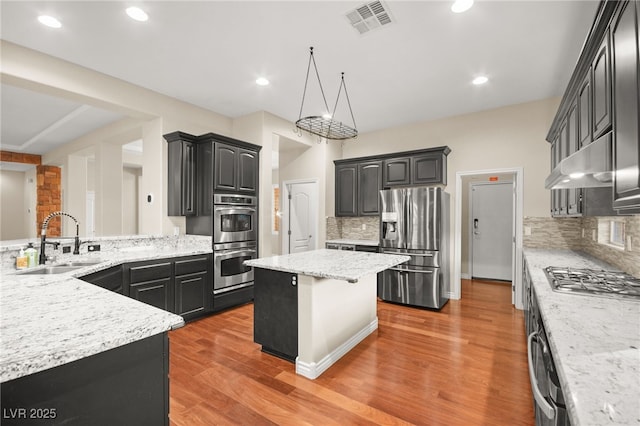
(182, 285)
(151, 282)
(191, 295)
(275, 307)
(110, 278)
(158, 293)
(128, 385)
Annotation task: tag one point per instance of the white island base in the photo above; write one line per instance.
(333, 317)
(313, 307)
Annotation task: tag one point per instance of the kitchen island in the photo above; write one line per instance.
(75, 353)
(595, 343)
(313, 307)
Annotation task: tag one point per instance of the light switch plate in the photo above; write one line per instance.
(527, 230)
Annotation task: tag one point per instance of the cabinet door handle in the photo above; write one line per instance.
(544, 406)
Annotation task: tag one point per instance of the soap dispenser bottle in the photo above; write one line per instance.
(32, 256)
(21, 260)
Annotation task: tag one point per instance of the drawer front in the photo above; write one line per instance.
(149, 272)
(192, 265)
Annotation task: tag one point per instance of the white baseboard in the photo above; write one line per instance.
(314, 369)
(465, 276)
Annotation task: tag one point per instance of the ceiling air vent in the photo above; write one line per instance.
(369, 16)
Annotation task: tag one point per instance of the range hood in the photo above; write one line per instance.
(589, 167)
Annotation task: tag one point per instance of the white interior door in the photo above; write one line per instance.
(492, 230)
(303, 216)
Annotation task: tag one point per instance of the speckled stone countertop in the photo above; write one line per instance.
(595, 343)
(50, 320)
(337, 264)
(355, 242)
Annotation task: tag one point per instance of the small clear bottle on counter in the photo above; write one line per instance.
(32, 256)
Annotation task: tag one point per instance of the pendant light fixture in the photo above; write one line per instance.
(326, 126)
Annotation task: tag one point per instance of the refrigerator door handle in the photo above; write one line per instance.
(406, 254)
(412, 270)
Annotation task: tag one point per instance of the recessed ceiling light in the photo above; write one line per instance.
(460, 6)
(49, 21)
(480, 80)
(137, 14)
(261, 81)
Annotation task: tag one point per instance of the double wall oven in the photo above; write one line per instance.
(235, 235)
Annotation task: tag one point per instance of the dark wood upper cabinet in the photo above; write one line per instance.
(358, 181)
(181, 175)
(198, 166)
(397, 171)
(235, 169)
(346, 191)
(563, 149)
(573, 133)
(429, 169)
(204, 177)
(626, 72)
(247, 170)
(584, 112)
(225, 167)
(604, 94)
(369, 185)
(602, 89)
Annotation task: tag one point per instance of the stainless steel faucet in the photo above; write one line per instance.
(43, 236)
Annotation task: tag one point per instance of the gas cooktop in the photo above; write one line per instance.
(593, 282)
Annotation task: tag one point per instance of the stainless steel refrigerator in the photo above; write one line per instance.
(415, 222)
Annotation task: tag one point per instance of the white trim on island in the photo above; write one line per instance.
(313, 370)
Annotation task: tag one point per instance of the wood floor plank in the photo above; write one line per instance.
(464, 365)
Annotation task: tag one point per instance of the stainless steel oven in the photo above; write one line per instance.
(229, 271)
(234, 218)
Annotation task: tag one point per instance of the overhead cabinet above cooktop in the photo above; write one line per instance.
(595, 135)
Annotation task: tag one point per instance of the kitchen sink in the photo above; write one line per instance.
(80, 263)
(61, 268)
(47, 270)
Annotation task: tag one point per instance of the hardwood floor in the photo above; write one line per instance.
(464, 365)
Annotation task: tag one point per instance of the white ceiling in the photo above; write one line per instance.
(209, 53)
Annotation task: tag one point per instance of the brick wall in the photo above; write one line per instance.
(49, 184)
(49, 198)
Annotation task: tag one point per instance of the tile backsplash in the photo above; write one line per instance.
(353, 228)
(583, 234)
(539, 232)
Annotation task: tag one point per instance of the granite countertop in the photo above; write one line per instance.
(50, 320)
(354, 242)
(325, 263)
(595, 343)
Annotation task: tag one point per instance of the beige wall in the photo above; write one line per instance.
(508, 137)
(149, 116)
(130, 177)
(265, 129)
